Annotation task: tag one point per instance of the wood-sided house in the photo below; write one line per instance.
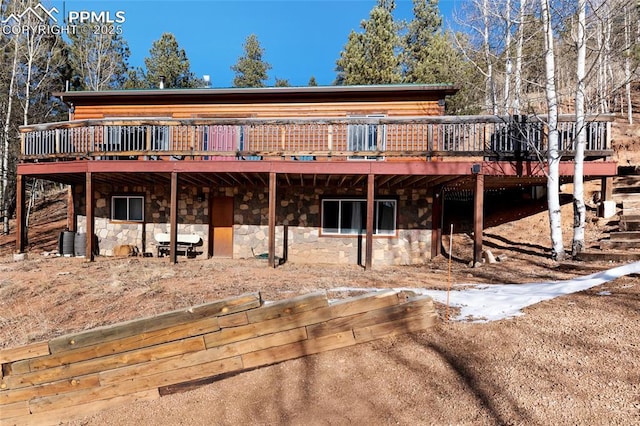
(339, 174)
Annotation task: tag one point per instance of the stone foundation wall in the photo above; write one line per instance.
(193, 216)
(298, 210)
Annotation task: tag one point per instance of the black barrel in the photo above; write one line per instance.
(80, 244)
(67, 243)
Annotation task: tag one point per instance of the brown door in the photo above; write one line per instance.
(222, 226)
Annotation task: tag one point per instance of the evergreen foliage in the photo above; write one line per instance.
(251, 69)
(370, 57)
(166, 59)
(419, 49)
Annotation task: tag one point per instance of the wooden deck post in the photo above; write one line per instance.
(88, 190)
(478, 218)
(173, 220)
(368, 257)
(21, 232)
(436, 223)
(272, 219)
(72, 224)
(607, 188)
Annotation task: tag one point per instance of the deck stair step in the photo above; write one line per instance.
(631, 206)
(622, 245)
(625, 236)
(626, 191)
(629, 223)
(609, 256)
(624, 196)
(626, 181)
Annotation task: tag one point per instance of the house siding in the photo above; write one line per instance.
(262, 110)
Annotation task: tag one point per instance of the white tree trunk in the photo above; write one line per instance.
(517, 90)
(579, 210)
(491, 97)
(6, 137)
(627, 61)
(553, 157)
(507, 60)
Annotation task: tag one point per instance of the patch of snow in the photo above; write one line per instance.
(483, 303)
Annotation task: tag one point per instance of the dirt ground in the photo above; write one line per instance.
(571, 360)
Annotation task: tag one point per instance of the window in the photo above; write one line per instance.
(364, 137)
(349, 217)
(127, 207)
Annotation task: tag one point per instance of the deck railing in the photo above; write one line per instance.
(307, 139)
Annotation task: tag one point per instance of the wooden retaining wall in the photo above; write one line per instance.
(73, 376)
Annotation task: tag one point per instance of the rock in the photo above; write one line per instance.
(488, 256)
(19, 257)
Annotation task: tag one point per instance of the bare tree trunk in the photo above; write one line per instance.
(602, 74)
(36, 49)
(627, 61)
(579, 210)
(6, 135)
(553, 156)
(507, 60)
(517, 90)
(491, 98)
(604, 29)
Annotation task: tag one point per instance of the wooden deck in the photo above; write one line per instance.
(316, 139)
(462, 152)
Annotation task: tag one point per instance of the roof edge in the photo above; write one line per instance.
(446, 89)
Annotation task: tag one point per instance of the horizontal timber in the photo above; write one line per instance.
(134, 359)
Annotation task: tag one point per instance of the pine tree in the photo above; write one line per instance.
(371, 57)
(135, 79)
(419, 44)
(351, 65)
(251, 69)
(282, 82)
(169, 61)
(429, 57)
(312, 82)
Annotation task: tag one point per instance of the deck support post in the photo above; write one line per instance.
(478, 218)
(72, 223)
(90, 215)
(368, 257)
(272, 219)
(607, 188)
(173, 219)
(607, 207)
(21, 222)
(436, 223)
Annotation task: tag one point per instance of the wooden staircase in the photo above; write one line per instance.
(626, 192)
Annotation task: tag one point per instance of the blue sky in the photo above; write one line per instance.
(301, 38)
